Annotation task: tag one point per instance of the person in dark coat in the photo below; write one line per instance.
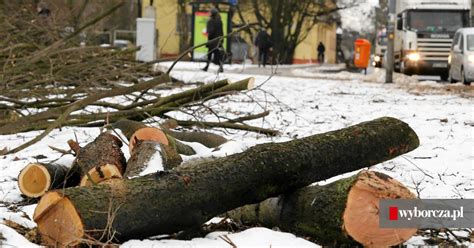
(264, 43)
(214, 30)
(321, 50)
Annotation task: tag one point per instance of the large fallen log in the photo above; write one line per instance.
(189, 195)
(333, 214)
(100, 160)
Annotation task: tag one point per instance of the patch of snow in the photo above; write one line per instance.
(29, 210)
(13, 239)
(154, 164)
(253, 237)
(17, 217)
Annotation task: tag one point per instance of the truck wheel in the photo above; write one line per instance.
(444, 76)
(463, 78)
(396, 67)
(450, 78)
(407, 71)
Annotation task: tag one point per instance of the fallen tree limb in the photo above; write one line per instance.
(151, 153)
(158, 107)
(135, 131)
(129, 127)
(209, 140)
(190, 195)
(249, 117)
(24, 124)
(333, 214)
(229, 125)
(157, 135)
(37, 178)
(100, 160)
(13, 127)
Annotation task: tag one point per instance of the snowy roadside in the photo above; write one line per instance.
(300, 106)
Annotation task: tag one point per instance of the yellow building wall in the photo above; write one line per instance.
(166, 23)
(306, 51)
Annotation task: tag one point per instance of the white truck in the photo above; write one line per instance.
(424, 32)
(380, 48)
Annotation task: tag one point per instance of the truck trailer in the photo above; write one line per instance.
(424, 32)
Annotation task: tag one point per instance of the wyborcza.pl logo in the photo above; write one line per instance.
(433, 213)
(409, 214)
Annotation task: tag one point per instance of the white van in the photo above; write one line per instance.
(461, 57)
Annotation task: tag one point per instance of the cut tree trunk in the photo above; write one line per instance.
(136, 131)
(100, 160)
(188, 196)
(157, 135)
(151, 153)
(128, 127)
(333, 214)
(37, 178)
(210, 140)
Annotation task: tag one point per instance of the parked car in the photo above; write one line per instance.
(123, 44)
(461, 57)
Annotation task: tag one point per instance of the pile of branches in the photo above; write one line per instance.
(44, 57)
(47, 75)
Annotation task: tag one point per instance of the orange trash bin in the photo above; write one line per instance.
(362, 53)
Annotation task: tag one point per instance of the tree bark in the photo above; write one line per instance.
(328, 215)
(37, 178)
(190, 195)
(100, 160)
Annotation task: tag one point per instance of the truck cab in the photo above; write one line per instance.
(424, 33)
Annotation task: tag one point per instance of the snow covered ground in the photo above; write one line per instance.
(303, 101)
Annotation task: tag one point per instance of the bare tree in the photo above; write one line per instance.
(183, 25)
(289, 21)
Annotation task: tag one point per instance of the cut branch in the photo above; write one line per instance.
(100, 160)
(129, 127)
(37, 178)
(145, 155)
(229, 125)
(74, 106)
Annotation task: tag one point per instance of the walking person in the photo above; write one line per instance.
(321, 50)
(264, 43)
(214, 30)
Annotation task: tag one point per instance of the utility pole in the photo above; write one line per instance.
(390, 36)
